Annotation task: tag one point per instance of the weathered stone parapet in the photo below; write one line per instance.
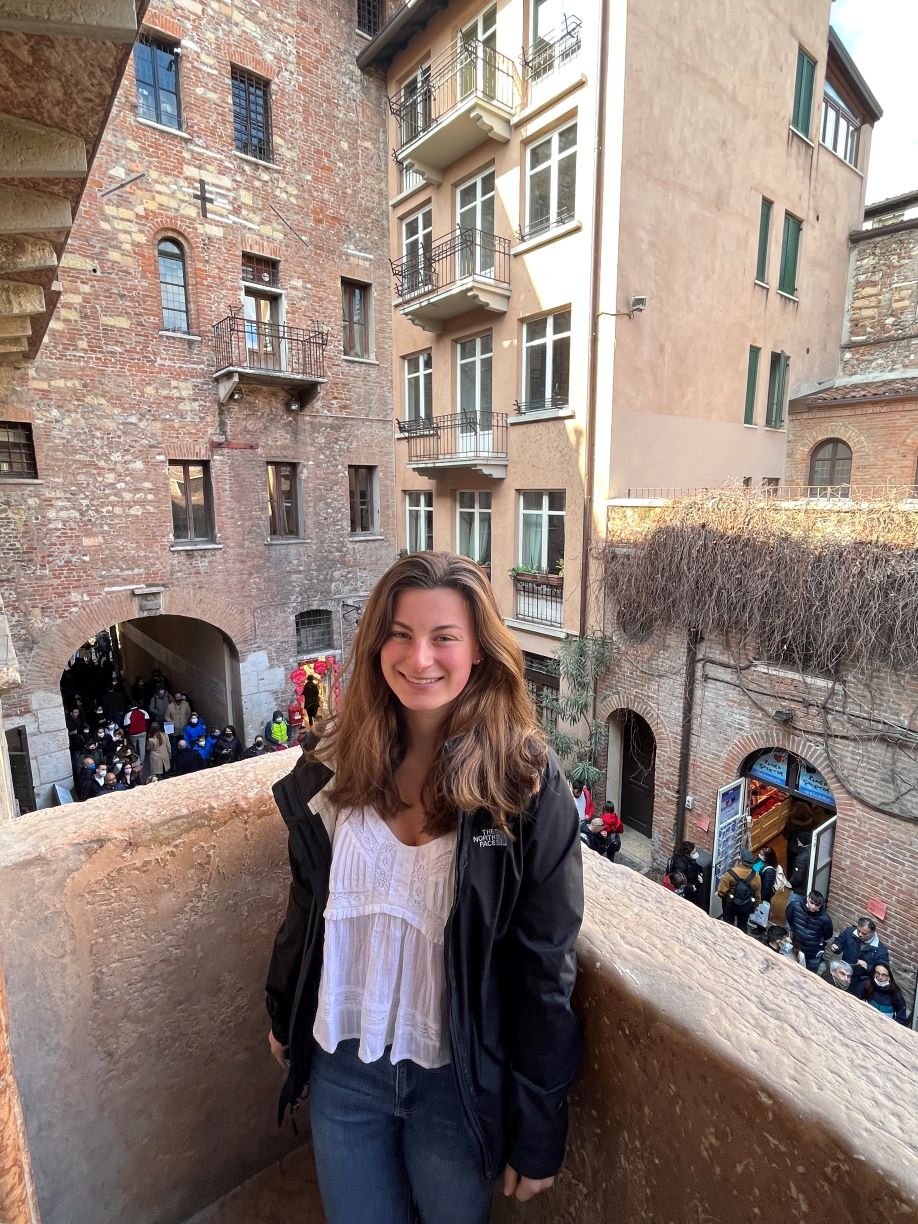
(17, 1189)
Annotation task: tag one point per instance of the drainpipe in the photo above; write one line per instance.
(685, 741)
(592, 356)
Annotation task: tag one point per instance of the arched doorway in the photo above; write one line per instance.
(630, 775)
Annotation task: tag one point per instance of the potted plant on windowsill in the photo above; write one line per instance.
(535, 577)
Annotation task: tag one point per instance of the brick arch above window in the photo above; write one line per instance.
(251, 61)
(831, 462)
(158, 23)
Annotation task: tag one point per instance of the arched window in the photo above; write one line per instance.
(173, 285)
(830, 468)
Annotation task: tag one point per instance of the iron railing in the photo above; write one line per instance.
(550, 51)
(538, 599)
(244, 344)
(464, 253)
(467, 68)
(475, 437)
(823, 492)
(544, 225)
(555, 403)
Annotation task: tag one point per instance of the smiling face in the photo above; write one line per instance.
(427, 658)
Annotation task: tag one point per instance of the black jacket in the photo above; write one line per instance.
(510, 966)
(813, 931)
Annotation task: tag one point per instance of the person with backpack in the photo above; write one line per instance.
(812, 926)
(740, 891)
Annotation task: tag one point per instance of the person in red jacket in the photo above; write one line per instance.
(136, 721)
(583, 799)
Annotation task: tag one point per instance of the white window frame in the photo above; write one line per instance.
(419, 507)
(478, 513)
(418, 83)
(480, 259)
(546, 515)
(478, 358)
(373, 500)
(554, 167)
(422, 375)
(549, 340)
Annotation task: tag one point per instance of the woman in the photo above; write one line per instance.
(685, 860)
(784, 942)
(227, 749)
(881, 991)
(159, 751)
(446, 838)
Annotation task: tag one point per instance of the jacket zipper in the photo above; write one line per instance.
(459, 1071)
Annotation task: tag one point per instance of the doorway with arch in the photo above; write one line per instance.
(631, 769)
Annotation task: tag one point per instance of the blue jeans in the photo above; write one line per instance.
(392, 1145)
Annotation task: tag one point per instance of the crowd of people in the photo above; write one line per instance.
(121, 740)
(600, 833)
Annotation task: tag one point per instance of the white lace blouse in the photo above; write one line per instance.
(383, 976)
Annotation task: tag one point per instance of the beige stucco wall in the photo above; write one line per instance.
(135, 935)
(709, 91)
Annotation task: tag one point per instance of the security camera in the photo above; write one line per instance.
(238, 395)
(294, 404)
(638, 304)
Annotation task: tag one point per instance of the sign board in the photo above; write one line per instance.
(731, 833)
(771, 767)
(813, 785)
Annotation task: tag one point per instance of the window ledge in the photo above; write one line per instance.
(788, 297)
(196, 546)
(6, 481)
(838, 157)
(762, 284)
(552, 631)
(256, 161)
(564, 84)
(370, 361)
(800, 136)
(174, 335)
(274, 541)
(163, 127)
(775, 428)
(560, 231)
(557, 414)
(749, 425)
(356, 536)
(772, 669)
(409, 191)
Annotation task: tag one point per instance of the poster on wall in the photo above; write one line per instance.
(731, 833)
(771, 767)
(814, 786)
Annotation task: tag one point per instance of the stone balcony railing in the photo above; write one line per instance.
(721, 1083)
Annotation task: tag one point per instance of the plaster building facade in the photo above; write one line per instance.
(201, 453)
(590, 299)
(861, 430)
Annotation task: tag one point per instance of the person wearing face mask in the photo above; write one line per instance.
(881, 991)
(159, 703)
(685, 860)
(131, 776)
(780, 940)
(860, 946)
(810, 922)
(227, 749)
(97, 786)
(277, 731)
(194, 728)
(257, 748)
(85, 780)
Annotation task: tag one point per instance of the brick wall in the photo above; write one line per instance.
(883, 438)
(882, 323)
(111, 400)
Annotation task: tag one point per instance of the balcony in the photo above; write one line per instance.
(269, 353)
(474, 441)
(467, 96)
(468, 270)
(550, 52)
(137, 1029)
(540, 598)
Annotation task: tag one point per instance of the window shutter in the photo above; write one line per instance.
(790, 247)
(803, 93)
(761, 263)
(752, 376)
(780, 383)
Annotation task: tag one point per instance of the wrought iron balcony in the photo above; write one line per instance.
(464, 271)
(466, 96)
(539, 598)
(474, 440)
(268, 352)
(550, 51)
(554, 403)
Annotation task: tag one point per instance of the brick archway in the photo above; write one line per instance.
(59, 640)
(620, 700)
(808, 750)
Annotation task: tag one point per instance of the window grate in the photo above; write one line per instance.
(314, 631)
(17, 452)
(369, 16)
(252, 114)
(260, 270)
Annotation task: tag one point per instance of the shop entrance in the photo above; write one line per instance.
(780, 800)
(631, 769)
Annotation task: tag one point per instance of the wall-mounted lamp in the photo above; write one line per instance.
(783, 716)
(638, 306)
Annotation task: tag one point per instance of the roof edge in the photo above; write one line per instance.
(855, 80)
(398, 32)
(891, 203)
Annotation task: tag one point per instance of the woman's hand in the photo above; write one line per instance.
(524, 1188)
(278, 1052)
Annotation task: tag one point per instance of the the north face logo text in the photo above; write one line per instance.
(490, 837)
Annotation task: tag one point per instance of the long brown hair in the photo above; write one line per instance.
(491, 750)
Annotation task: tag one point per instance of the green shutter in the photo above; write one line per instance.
(761, 263)
(790, 249)
(776, 387)
(752, 378)
(803, 93)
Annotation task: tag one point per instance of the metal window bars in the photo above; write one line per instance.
(551, 50)
(369, 16)
(538, 600)
(462, 254)
(554, 403)
(544, 224)
(248, 344)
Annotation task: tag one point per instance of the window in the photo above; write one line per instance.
(314, 632)
(542, 531)
(551, 172)
(752, 378)
(362, 490)
(17, 452)
(543, 683)
(474, 515)
(475, 386)
(355, 317)
(419, 386)
(173, 285)
(555, 37)
(261, 311)
(416, 247)
(790, 250)
(156, 66)
(283, 501)
(478, 72)
(251, 114)
(260, 270)
(369, 16)
(777, 383)
(475, 222)
(803, 93)
(547, 362)
(761, 263)
(414, 110)
(192, 501)
(840, 129)
(419, 510)
(830, 468)
(770, 485)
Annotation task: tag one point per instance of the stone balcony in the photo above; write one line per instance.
(721, 1083)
